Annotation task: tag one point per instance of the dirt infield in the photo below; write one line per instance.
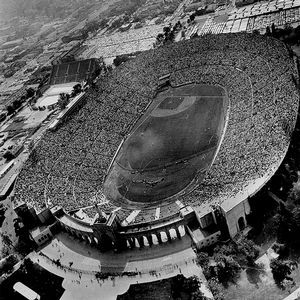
(175, 140)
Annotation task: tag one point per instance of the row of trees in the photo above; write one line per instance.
(288, 33)
(280, 219)
(11, 108)
(187, 288)
(7, 265)
(168, 35)
(64, 98)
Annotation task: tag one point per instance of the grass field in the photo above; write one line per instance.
(176, 137)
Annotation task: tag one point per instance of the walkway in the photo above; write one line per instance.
(80, 263)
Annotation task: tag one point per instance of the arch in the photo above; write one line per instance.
(150, 239)
(146, 242)
(168, 235)
(96, 240)
(88, 239)
(164, 236)
(136, 243)
(154, 239)
(241, 223)
(131, 242)
(141, 241)
(181, 230)
(173, 233)
(177, 232)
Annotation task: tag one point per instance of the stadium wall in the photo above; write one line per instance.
(237, 208)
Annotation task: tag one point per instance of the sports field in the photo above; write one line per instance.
(175, 140)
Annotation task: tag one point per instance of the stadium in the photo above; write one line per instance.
(171, 142)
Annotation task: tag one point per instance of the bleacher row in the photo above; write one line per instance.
(70, 164)
(75, 71)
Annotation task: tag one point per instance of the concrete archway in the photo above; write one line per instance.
(154, 239)
(164, 237)
(181, 230)
(146, 242)
(173, 234)
(241, 223)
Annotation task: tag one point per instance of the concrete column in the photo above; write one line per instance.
(168, 235)
(177, 232)
(149, 239)
(93, 242)
(158, 237)
(141, 241)
(132, 243)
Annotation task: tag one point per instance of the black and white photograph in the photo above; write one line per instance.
(149, 150)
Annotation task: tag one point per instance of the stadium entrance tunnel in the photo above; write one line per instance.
(170, 146)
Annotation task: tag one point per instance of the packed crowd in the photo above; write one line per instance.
(123, 42)
(69, 166)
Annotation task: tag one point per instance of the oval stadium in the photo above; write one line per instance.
(173, 141)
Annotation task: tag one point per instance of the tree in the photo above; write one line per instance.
(6, 240)
(192, 18)
(27, 265)
(63, 101)
(273, 29)
(6, 245)
(166, 30)
(170, 37)
(30, 92)
(17, 103)
(227, 268)
(191, 283)
(249, 250)
(120, 59)
(8, 155)
(92, 26)
(160, 38)
(2, 213)
(294, 194)
(198, 295)
(281, 270)
(202, 259)
(77, 89)
(10, 110)
(289, 225)
(216, 289)
(126, 18)
(8, 264)
(187, 286)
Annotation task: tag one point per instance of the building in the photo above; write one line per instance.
(185, 176)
